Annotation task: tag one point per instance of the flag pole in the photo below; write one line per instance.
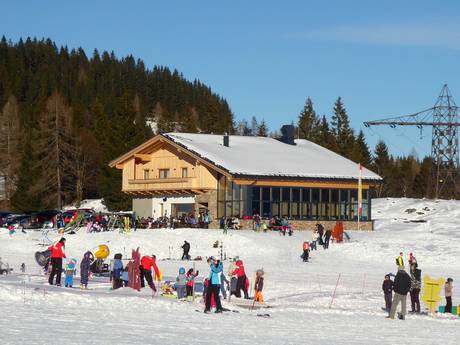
(360, 195)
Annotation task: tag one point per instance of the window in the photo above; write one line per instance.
(163, 173)
(184, 172)
(146, 174)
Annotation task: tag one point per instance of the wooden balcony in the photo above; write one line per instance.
(164, 186)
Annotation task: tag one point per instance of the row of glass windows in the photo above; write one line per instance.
(291, 202)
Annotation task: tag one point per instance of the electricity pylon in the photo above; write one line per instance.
(442, 117)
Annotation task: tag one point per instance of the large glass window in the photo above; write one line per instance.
(295, 203)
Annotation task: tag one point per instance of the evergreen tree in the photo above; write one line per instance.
(340, 127)
(382, 165)
(361, 153)
(262, 130)
(308, 122)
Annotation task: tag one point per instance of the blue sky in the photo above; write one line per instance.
(265, 57)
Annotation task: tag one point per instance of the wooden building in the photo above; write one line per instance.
(242, 175)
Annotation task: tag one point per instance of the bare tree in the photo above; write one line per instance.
(56, 149)
(9, 145)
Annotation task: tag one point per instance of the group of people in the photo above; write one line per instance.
(216, 281)
(404, 283)
(57, 255)
(319, 237)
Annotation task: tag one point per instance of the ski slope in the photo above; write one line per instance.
(300, 293)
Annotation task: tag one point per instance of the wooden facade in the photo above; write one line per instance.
(161, 168)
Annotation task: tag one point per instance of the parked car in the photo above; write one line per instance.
(40, 218)
(19, 220)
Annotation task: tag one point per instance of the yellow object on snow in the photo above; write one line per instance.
(432, 292)
(102, 252)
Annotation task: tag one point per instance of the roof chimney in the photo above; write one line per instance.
(288, 134)
(226, 140)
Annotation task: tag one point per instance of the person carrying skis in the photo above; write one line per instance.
(241, 282)
(214, 285)
(57, 254)
(186, 249)
(448, 287)
(85, 267)
(387, 287)
(401, 287)
(259, 285)
(306, 251)
(147, 264)
(415, 286)
(400, 260)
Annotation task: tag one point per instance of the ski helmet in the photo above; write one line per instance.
(181, 270)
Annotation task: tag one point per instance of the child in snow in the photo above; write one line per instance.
(85, 266)
(191, 275)
(117, 272)
(181, 282)
(306, 251)
(259, 285)
(264, 227)
(387, 287)
(69, 272)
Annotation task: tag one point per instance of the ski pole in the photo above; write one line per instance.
(335, 289)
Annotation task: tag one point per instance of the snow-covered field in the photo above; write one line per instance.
(300, 293)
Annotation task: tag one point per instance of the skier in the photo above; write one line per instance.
(214, 285)
(387, 287)
(57, 253)
(181, 283)
(259, 285)
(186, 248)
(448, 287)
(306, 251)
(70, 272)
(147, 263)
(415, 286)
(400, 260)
(241, 282)
(117, 271)
(401, 287)
(412, 260)
(85, 266)
(327, 238)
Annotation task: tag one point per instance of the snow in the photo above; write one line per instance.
(95, 204)
(300, 293)
(261, 156)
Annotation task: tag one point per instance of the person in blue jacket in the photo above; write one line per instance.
(117, 271)
(214, 285)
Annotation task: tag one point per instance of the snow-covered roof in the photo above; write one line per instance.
(261, 156)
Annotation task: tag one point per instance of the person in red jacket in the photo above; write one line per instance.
(147, 263)
(241, 279)
(57, 253)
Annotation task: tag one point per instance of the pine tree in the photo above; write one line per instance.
(308, 122)
(340, 127)
(382, 165)
(325, 137)
(262, 130)
(254, 126)
(361, 153)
